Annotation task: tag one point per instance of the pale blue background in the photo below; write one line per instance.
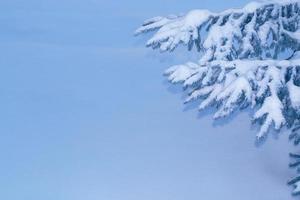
(85, 113)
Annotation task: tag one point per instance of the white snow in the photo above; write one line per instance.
(252, 6)
(294, 92)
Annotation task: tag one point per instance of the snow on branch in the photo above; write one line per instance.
(251, 27)
(235, 84)
(239, 63)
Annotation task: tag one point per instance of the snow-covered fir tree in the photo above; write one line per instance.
(249, 57)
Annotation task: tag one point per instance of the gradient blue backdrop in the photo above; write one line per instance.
(85, 113)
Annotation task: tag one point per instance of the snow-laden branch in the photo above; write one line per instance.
(230, 85)
(239, 63)
(259, 28)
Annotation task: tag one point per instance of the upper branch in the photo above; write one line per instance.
(257, 30)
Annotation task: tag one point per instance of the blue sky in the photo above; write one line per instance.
(86, 114)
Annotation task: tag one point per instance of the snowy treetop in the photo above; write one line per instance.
(240, 61)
